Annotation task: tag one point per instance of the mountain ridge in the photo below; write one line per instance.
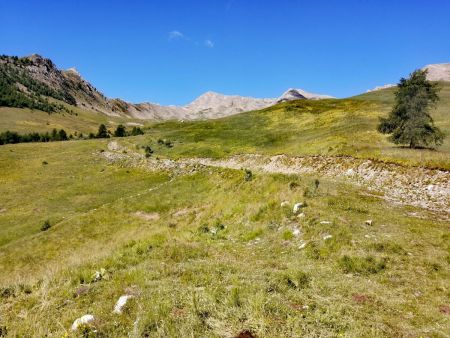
(83, 94)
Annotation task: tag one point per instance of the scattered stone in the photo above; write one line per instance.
(296, 232)
(325, 222)
(369, 222)
(297, 207)
(99, 275)
(118, 308)
(303, 245)
(301, 215)
(350, 172)
(83, 289)
(84, 320)
(152, 216)
(326, 237)
(284, 204)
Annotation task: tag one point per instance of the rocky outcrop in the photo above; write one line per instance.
(299, 94)
(438, 72)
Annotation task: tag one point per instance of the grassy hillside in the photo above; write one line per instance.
(24, 120)
(329, 127)
(208, 253)
(205, 252)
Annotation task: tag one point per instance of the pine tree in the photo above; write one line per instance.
(102, 132)
(410, 121)
(120, 131)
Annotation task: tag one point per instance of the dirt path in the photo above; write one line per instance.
(420, 187)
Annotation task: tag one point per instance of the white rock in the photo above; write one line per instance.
(121, 303)
(302, 246)
(326, 237)
(297, 207)
(350, 172)
(325, 222)
(369, 222)
(84, 320)
(301, 215)
(296, 232)
(284, 204)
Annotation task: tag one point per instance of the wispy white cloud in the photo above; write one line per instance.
(177, 35)
(174, 35)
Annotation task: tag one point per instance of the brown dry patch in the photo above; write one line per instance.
(444, 309)
(152, 216)
(178, 312)
(184, 212)
(361, 299)
(245, 334)
(82, 290)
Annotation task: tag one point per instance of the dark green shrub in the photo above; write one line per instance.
(46, 225)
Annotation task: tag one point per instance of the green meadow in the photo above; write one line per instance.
(209, 253)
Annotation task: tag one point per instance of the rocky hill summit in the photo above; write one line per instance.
(438, 72)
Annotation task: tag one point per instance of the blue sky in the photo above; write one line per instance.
(172, 51)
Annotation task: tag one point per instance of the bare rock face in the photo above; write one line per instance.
(215, 105)
(438, 72)
(300, 94)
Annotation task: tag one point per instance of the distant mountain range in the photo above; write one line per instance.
(27, 83)
(29, 77)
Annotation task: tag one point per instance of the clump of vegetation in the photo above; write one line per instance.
(235, 297)
(388, 247)
(148, 151)
(165, 142)
(296, 280)
(312, 190)
(248, 175)
(46, 225)
(136, 131)
(410, 121)
(362, 265)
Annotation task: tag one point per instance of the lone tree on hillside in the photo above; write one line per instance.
(410, 122)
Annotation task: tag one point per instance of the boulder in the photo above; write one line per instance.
(284, 204)
(118, 308)
(83, 320)
(297, 207)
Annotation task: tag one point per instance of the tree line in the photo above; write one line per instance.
(11, 137)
